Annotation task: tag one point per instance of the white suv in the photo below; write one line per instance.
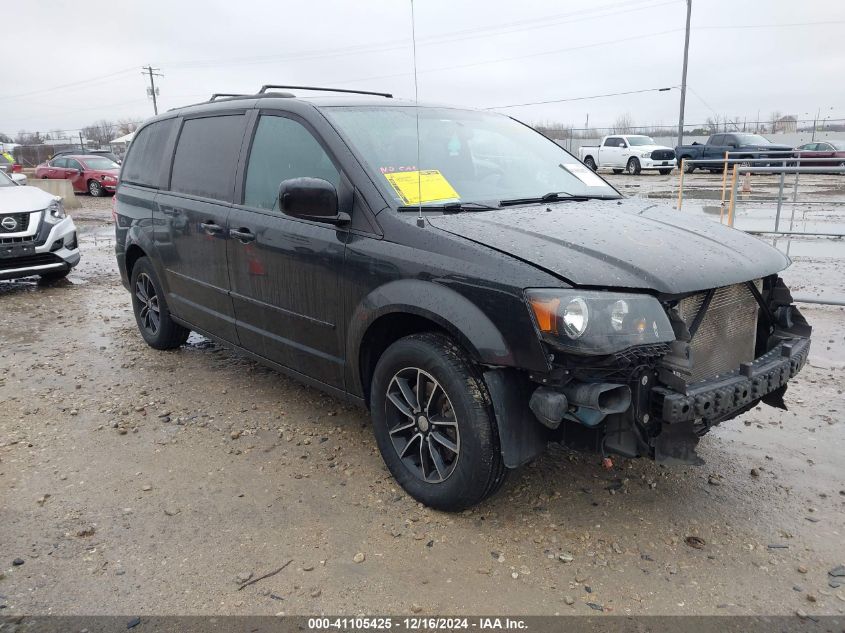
(36, 236)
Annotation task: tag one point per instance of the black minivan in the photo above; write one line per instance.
(465, 278)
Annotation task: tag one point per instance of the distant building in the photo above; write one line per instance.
(785, 124)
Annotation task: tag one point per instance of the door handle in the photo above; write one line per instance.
(242, 234)
(211, 228)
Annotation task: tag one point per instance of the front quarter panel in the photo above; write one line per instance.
(472, 292)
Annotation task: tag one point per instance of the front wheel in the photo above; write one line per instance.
(589, 162)
(95, 188)
(633, 167)
(151, 312)
(434, 423)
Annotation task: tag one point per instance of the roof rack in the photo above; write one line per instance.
(267, 87)
(225, 94)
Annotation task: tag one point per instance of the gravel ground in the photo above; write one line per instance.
(136, 481)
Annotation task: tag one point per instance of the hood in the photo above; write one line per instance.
(629, 243)
(23, 199)
(649, 148)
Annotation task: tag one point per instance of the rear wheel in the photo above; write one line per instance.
(95, 188)
(688, 168)
(151, 312)
(434, 424)
(589, 162)
(633, 167)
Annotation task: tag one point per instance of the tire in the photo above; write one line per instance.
(664, 172)
(151, 312)
(449, 464)
(618, 171)
(95, 188)
(688, 169)
(715, 171)
(633, 167)
(54, 276)
(589, 162)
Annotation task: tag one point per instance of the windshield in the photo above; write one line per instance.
(464, 156)
(635, 141)
(5, 181)
(101, 163)
(752, 139)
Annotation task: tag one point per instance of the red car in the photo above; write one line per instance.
(835, 150)
(92, 174)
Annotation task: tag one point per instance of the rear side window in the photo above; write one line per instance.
(207, 156)
(283, 149)
(59, 162)
(611, 142)
(143, 164)
(717, 139)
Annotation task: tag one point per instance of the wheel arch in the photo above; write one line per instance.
(404, 307)
(133, 253)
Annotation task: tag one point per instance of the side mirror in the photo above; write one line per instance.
(311, 199)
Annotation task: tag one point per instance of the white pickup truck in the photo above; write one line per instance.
(628, 152)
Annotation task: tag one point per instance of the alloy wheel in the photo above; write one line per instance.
(94, 188)
(149, 311)
(422, 425)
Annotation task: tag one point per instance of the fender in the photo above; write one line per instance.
(450, 310)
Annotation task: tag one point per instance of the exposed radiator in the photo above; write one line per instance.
(728, 334)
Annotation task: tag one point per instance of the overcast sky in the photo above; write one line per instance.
(69, 64)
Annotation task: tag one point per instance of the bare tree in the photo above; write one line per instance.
(774, 117)
(5, 138)
(28, 138)
(100, 132)
(623, 124)
(126, 126)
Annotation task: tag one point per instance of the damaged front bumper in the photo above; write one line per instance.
(731, 393)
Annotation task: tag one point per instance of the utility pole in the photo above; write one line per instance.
(684, 77)
(152, 89)
(81, 143)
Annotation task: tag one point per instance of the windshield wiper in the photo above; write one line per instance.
(451, 207)
(555, 196)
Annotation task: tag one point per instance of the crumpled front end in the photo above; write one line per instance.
(734, 347)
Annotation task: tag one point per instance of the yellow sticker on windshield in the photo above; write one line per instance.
(417, 187)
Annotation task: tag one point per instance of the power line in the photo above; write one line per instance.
(452, 36)
(609, 94)
(68, 85)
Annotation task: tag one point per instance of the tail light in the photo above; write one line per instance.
(17, 169)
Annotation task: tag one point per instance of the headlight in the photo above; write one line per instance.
(646, 154)
(598, 322)
(110, 178)
(55, 212)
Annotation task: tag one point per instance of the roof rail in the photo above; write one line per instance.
(267, 87)
(225, 94)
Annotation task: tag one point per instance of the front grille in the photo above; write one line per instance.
(30, 239)
(663, 154)
(21, 222)
(727, 335)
